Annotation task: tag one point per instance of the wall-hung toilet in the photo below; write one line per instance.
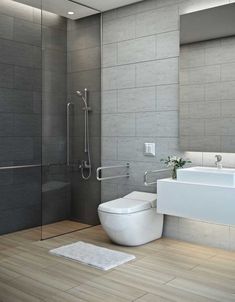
(132, 220)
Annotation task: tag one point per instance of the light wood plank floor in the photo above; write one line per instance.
(165, 270)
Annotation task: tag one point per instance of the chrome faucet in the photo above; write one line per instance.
(218, 162)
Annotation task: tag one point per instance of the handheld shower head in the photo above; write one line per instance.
(84, 98)
(79, 93)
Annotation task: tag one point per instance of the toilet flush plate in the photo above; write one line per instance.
(149, 149)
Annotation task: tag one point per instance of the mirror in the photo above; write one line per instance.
(207, 80)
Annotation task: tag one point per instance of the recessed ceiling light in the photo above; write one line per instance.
(70, 13)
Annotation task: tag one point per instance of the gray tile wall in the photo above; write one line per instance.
(84, 48)
(54, 42)
(140, 103)
(207, 118)
(20, 116)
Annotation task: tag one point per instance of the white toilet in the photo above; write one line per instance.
(132, 220)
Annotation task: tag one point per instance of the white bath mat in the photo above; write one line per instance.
(93, 255)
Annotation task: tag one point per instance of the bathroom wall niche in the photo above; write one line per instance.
(207, 80)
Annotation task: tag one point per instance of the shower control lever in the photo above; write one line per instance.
(84, 164)
(86, 109)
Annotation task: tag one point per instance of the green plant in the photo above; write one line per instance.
(175, 163)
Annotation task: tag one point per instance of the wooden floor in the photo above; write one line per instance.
(164, 270)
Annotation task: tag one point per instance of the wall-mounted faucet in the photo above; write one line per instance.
(218, 162)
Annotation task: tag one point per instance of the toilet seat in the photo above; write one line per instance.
(131, 203)
(124, 206)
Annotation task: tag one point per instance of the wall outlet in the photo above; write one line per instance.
(149, 149)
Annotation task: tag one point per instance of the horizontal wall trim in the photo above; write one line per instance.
(19, 167)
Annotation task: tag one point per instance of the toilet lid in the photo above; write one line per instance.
(151, 197)
(124, 206)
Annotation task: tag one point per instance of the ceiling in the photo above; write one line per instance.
(81, 8)
(104, 5)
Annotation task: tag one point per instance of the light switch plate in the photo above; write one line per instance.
(149, 149)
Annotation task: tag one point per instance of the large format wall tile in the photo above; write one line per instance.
(84, 37)
(16, 149)
(82, 79)
(21, 218)
(163, 124)
(6, 27)
(109, 55)
(27, 78)
(12, 100)
(109, 101)
(157, 21)
(119, 77)
(119, 29)
(6, 124)
(84, 59)
(136, 99)
(200, 75)
(167, 45)
(21, 54)
(109, 148)
(167, 97)
(118, 124)
(54, 38)
(157, 72)
(132, 51)
(228, 72)
(6, 75)
(27, 32)
(55, 60)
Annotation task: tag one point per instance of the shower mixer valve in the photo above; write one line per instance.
(85, 164)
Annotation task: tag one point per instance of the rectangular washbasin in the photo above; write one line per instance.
(207, 175)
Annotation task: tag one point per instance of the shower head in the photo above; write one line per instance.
(84, 98)
(79, 93)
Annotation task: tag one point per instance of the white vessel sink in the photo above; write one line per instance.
(207, 175)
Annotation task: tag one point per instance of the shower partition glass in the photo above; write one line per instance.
(20, 118)
(45, 57)
(70, 62)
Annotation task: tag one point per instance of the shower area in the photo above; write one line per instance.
(50, 95)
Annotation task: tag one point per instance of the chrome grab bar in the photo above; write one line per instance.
(99, 177)
(146, 183)
(19, 167)
(68, 133)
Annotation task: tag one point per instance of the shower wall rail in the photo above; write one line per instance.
(147, 173)
(99, 170)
